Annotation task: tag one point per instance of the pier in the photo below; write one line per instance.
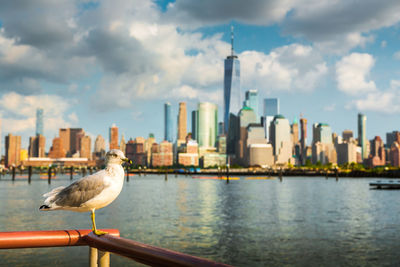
(385, 184)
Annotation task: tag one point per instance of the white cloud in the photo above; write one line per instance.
(187, 92)
(344, 42)
(334, 26)
(292, 67)
(73, 118)
(330, 107)
(382, 102)
(397, 55)
(19, 114)
(137, 115)
(26, 106)
(180, 59)
(395, 84)
(387, 102)
(352, 73)
(340, 25)
(192, 13)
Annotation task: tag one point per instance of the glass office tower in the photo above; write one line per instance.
(207, 124)
(362, 134)
(251, 101)
(39, 121)
(167, 122)
(232, 93)
(271, 109)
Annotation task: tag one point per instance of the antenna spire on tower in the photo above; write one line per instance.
(232, 37)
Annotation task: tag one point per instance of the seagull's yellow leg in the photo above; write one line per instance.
(95, 231)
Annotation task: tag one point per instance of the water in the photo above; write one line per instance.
(300, 221)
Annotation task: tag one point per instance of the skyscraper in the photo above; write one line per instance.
(271, 106)
(281, 139)
(113, 137)
(37, 146)
(39, 121)
(85, 147)
(64, 134)
(378, 155)
(1, 138)
(392, 137)
(57, 149)
(99, 144)
(347, 135)
(295, 132)
(167, 122)
(13, 150)
(303, 140)
(251, 101)
(182, 122)
(271, 109)
(362, 135)
(194, 124)
(71, 139)
(100, 147)
(75, 140)
(232, 93)
(147, 146)
(323, 148)
(246, 117)
(322, 133)
(207, 124)
(122, 144)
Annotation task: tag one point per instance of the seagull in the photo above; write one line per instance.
(90, 192)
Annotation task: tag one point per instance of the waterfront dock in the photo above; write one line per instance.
(385, 184)
(51, 172)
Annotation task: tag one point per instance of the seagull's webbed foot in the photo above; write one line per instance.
(98, 232)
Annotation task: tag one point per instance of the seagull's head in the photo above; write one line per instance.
(116, 156)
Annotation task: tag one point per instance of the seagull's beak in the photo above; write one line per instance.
(127, 160)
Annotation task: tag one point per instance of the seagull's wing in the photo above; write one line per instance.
(81, 191)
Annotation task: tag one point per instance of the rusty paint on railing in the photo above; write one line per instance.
(146, 254)
(36, 239)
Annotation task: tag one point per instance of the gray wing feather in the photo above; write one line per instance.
(81, 191)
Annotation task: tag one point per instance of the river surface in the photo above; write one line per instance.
(300, 221)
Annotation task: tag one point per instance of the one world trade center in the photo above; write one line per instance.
(232, 94)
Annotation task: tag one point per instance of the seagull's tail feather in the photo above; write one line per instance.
(50, 198)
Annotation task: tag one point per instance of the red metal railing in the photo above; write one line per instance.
(37, 239)
(111, 242)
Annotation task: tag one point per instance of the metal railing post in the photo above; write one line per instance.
(98, 258)
(93, 257)
(104, 258)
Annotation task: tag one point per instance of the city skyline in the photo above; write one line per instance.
(174, 52)
(246, 143)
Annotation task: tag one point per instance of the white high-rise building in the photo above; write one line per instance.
(207, 124)
(281, 140)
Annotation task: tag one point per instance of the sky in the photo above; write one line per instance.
(91, 64)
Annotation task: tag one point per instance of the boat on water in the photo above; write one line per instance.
(390, 184)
